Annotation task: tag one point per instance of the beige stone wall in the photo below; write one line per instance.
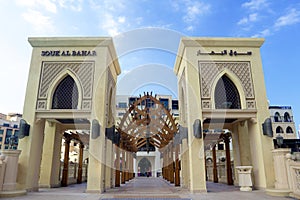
(92, 63)
(199, 65)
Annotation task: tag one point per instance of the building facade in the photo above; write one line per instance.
(283, 122)
(9, 126)
(72, 86)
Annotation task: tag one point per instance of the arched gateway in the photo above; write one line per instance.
(72, 86)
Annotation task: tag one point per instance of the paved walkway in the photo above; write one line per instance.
(144, 188)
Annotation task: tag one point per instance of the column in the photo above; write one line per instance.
(79, 174)
(228, 160)
(177, 166)
(127, 166)
(50, 163)
(123, 165)
(64, 181)
(172, 164)
(184, 152)
(117, 163)
(215, 170)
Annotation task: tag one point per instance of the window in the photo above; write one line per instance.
(164, 102)
(279, 129)
(1, 132)
(5, 124)
(277, 117)
(226, 94)
(132, 100)
(120, 114)
(122, 105)
(65, 95)
(289, 130)
(287, 117)
(175, 105)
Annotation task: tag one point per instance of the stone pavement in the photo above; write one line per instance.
(144, 188)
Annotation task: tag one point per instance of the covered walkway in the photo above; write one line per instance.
(143, 188)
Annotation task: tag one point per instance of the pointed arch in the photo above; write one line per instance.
(279, 129)
(144, 165)
(287, 117)
(289, 130)
(277, 117)
(66, 77)
(235, 82)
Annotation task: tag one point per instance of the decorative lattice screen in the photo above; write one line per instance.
(65, 95)
(226, 94)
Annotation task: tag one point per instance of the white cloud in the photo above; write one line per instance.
(48, 5)
(121, 19)
(190, 28)
(251, 18)
(255, 4)
(243, 21)
(263, 33)
(291, 18)
(75, 5)
(40, 22)
(194, 10)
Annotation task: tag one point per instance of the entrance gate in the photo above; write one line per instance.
(72, 85)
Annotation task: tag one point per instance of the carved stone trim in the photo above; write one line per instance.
(41, 104)
(206, 104)
(86, 105)
(84, 71)
(251, 104)
(210, 70)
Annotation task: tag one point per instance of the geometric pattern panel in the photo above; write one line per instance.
(83, 70)
(209, 71)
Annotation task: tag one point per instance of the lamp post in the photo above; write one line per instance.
(279, 140)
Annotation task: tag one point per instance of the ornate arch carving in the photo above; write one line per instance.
(81, 72)
(239, 73)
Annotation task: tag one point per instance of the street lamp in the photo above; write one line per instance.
(279, 140)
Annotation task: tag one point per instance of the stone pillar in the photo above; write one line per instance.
(172, 163)
(281, 177)
(245, 180)
(215, 170)
(108, 167)
(79, 176)
(11, 171)
(127, 166)
(64, 181)
(184, 163)
(123, 165)
(96, 166)
(50, 164)
(167, 165)
(177, 166)
(228, 161)
(117, 165)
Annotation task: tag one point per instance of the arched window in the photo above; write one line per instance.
(66, 94)
(287, 117)
(226, 94)
(279, 129)
(289, 130)
(277, 117)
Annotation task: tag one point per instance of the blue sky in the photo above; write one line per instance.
(276, 21)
